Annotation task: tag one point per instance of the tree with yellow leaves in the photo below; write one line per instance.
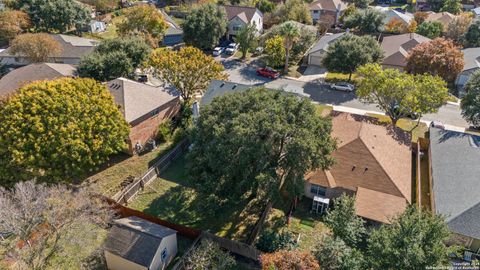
(145, 21)
(189, 70)
(36, 47)
(56, 131)
(12, 23)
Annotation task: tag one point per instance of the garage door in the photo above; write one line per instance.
(315, 60)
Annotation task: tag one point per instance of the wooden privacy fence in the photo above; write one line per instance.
(126, 194)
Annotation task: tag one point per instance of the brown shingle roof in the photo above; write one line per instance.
(244, 13)
(138, 99)
(442, 17)
(34, 72)
(328, 5)
(378, 206)
(396, 48)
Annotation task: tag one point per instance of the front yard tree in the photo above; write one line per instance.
(415, 240)
(350, 52)
(430, 29)
(209, 255)
(290, 10)
(457, 28)
(114, 58)
(437, 57)
(145, 21)
(288, 260)
(275, 51)
(55, 15)
(365, 20)
(452, 6)
(398, 94)
(36, 47)
(435, 5)
(189, 70)
(12, 23)
(46, 222)
(472, 37)
(333, 253)
(290, 34)
(259, 142)
(58, 130)
(360, 3)
(344, 223)
(205, 25)
(471, 101)
(247, 39)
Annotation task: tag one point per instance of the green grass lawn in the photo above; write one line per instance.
(333, 77)
(172, 198)
(108, 181)
(406, 124)
(323, 110)
(112, 28)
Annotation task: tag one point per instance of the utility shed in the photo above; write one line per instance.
(137, 244)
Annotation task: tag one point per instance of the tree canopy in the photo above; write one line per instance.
(291, 10)
(257, 142)
(205, 25)
(430, 29)
(457, 28)
(290, 34)
(415, 240)
(58, 130)
(36, 47)
(288, 260)
(209, 255)
(435, 5)
(55, 15)
(114, 58)
(398, 94)
(247, 39)
(452, 6)
(350, 51)
(189, 70)
(471, 101)
(47, 222)
(12, 23)
(365, 20)
(472, 37)
(333, 254)
(102, 5)
(437, 57)
(144, 21)
(275, 51)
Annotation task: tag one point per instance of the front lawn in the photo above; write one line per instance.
(111, 31)
(333, 77)
(172, 198)
(406, 124)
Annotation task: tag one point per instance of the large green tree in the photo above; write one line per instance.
(472, 37)
(351, 51)
(360, 3)
(435, 5)
(333, 254)
(452, 6)
(189, 70)
(55, 15)
(205, 25)
(247, 39)
(398, 94)
(259, 143)
(430, 29)
(290, 34)
(344, 223)
(365, 20)
(114, 58)
(291, 10)
(415, 240)
(275, 51)
(471, 101)
(58, 130)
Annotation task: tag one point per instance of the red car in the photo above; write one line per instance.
(268, 73)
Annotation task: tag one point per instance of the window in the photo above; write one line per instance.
(315, 12)
(318, 190)
(164, 254)
(236, 27)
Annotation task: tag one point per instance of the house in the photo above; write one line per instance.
(315, 54)
(144, 108)
(373, 163)
(395, 49)
(97, 27)
(327, 10)
(19, 77)
(134, 243)
(73, 48)
(471, 57)
(238, 17)
(391, 14)
(218, 88)
(174, 33)
(476, 12)
(442, 17)
(455, 183)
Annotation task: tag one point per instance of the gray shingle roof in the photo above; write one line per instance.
(471, 56)
(324, 42)
(396, 47)
(219, 88)
(245, 13)
(456, 179)
(173, 27)
(136, 239)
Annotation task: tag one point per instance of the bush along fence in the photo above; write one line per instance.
(129, 192)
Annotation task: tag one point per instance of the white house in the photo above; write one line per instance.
(239, 16)
(327, 10)
(137, 244)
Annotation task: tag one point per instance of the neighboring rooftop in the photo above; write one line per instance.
(471, 56)
(138, 99)
(17, 78)
(390, 14)
(173, 27)
(332, 5)
(456, 176)
(136, 239)
(397, 47)
(442, 17)
(324, 42)
(219, 88)
(244, 13)
(373, 160)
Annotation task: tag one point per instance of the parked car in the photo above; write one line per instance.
(231, 48)
(218, 51)
(268, 73)
(343, 86)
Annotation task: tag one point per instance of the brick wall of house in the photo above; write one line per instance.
(146, 127)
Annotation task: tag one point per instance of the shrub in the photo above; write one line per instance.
(164, 132)
(270, 241)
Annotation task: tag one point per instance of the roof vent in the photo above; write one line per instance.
(234, 86)
(221, 85)
(474, 141)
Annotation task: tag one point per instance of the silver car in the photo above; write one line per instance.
(343, 86)
(218, 51)
(231, 48)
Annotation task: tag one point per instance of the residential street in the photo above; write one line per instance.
(317, 91)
